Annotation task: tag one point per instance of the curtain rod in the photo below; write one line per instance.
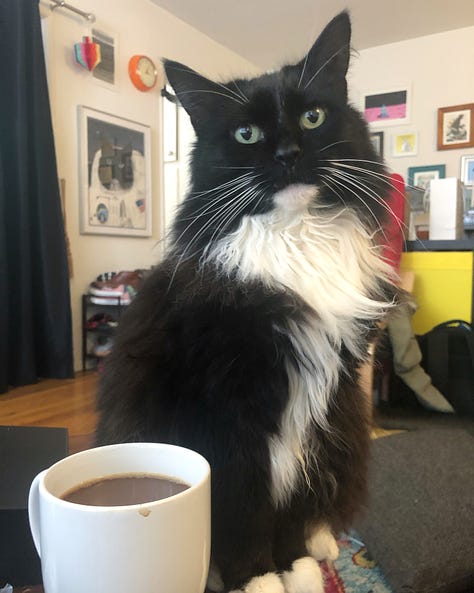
(59, 4)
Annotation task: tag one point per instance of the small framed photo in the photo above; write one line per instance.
(377, 142)
(105, 73)
(467, 169)
(115, 175)
(405, 144)
(420, 177)
(456, 126)
(389, 107)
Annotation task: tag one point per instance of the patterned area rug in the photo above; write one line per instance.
(354, 571)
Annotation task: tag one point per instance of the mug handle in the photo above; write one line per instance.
(34, 510)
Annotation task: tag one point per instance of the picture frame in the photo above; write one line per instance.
(114, 174)
(467, 169)
(106, 72)
(405, 143)
(456, 127)
(420, 177)
(377, 139)
(387, 107)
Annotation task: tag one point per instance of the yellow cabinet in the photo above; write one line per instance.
(442, 288)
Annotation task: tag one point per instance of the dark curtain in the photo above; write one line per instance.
(35, 310)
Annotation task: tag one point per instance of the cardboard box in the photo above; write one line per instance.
(446, 209)
(24, 452)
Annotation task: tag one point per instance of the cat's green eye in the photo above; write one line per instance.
(312, 118)
(248, 134)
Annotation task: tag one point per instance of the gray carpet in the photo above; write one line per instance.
(419, 526)
(416, 417)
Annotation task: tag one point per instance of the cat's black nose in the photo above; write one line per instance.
(287, 154)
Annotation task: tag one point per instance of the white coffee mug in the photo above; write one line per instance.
(155, 547)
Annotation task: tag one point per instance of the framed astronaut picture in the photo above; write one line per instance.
(115, 175)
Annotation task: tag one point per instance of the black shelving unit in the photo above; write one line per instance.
(89, 308)
(466, 244)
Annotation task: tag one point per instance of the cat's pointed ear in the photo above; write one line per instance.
(195, 92)
(329, 56)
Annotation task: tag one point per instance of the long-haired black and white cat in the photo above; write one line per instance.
(245, 342)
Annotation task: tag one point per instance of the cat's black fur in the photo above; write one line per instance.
(201, 359)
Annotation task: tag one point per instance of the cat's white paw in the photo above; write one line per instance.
(267, 583)
(322, 545)
(305, 576)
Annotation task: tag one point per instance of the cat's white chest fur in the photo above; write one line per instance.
(328, 259)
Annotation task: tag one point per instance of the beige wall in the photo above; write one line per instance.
(440, 71)
(144, 28)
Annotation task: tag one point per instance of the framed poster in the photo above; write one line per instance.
(421, 176)
(115, 175)
(456, 126)
(405, 143)
(389, 107)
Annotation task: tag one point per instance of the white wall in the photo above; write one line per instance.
(440, 71)
(142, 27)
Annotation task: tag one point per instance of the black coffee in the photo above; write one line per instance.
(121, 490)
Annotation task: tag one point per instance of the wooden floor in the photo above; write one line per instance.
(66, 403)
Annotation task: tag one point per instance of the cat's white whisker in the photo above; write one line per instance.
(192, 73)
(371, 161)
(213, 205)
(207, 91)
(376, 197)
(221, 186)
(348, 181)
(303, 70)
(342, 162)
(215, 217)
(378, 163)
(340, 182)
(239, 95)
(224, 167)
(233, 213)
(241, 92)
(194, 220)
(335, 144)
(357, 183)
(383, 178)
(336, 53)
(228, 212)
(213, 201)
(329, 183)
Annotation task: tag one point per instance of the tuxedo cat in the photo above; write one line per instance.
(245, 342)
